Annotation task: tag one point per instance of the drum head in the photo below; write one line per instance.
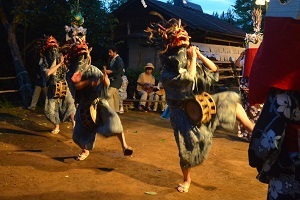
(85, 116)
(95, 109)
(193, 110)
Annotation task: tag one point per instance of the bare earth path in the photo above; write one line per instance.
(38, 165)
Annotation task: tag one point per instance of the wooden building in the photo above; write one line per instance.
(217, 39)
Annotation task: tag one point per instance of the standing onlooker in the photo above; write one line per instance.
(123, 92)
(115, 72)
(145, 84)
(40, 86)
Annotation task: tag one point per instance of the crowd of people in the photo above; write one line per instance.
(96, 104)
(268, 114)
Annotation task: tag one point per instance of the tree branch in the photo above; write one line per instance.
(3, 17)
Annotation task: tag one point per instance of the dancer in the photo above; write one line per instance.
(94, 115)
(183, 79)
(274, 148)
(59, 104)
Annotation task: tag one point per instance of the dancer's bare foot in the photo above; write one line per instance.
(183, 187)
(83, 155)
(55, 131)
(127, 151)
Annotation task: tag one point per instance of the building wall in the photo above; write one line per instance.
(139, 55)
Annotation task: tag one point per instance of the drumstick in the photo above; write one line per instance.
(105, 77)
(104, 70)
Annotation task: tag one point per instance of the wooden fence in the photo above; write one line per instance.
(3, 79)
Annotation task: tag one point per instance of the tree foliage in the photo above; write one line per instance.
(114, 4)
(243, 9)
(9, 22)
(229, 16)
(241, 15)
(25, 21)
(34, 18)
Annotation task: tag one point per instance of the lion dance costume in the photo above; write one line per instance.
(193, 139)
(59, 104)
(93, 115)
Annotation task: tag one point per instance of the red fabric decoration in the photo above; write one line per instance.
(249, 57)
(277, 62)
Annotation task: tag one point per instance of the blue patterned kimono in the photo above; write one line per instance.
(275, 144)
(57, 109)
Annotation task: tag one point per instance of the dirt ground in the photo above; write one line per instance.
(36, 164)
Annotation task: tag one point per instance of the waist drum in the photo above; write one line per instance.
(200, 109)
(90, 113)
(61, 88)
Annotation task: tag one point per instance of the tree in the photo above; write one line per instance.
(229, 16)
(10, 24)
(243, 10)
(215, 14)
(100, 24)
(25, 21)
(114, 4)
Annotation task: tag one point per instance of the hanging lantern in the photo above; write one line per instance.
(261, 2)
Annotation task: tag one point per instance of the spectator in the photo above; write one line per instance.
(115, 72)
(160, 95)
(145, 84)
(123, 93)
(40, 86)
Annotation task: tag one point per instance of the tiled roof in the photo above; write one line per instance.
(194, 19)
